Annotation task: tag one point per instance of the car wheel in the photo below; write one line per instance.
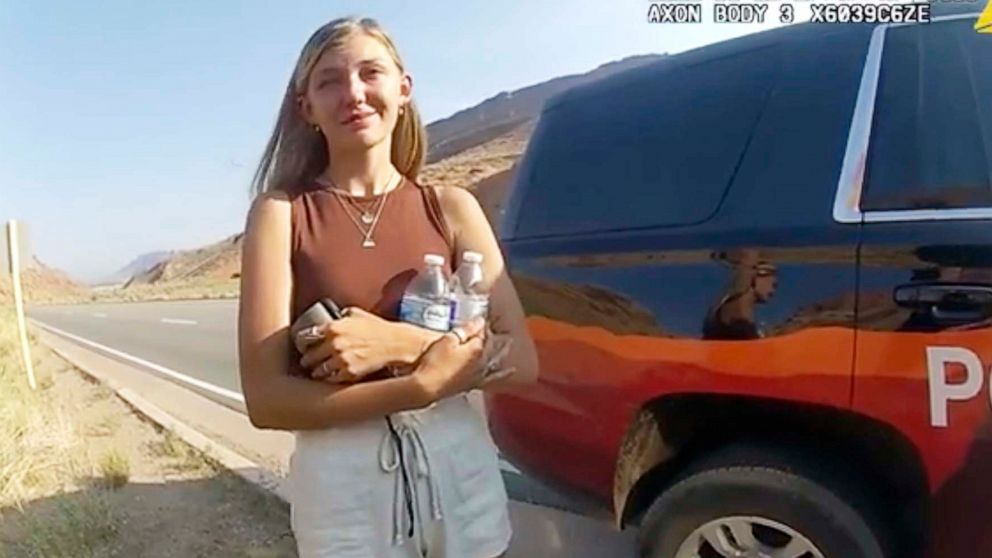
(754, 502)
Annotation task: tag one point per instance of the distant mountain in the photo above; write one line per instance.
(221, 260)
(140, 264)
(510, 109)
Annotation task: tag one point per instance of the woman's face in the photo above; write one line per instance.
(355, 92)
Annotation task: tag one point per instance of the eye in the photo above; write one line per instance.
(327, 79)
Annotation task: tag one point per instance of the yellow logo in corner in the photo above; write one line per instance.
(984, 23)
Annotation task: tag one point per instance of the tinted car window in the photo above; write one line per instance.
(931, 139)
(658, 150)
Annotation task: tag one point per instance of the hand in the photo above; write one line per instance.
(347, 349)
(453, 364)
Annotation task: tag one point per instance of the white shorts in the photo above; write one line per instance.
(350, 500)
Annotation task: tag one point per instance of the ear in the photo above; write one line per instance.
(406, 89)
(305, 108)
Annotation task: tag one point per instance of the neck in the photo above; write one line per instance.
(367, 172)
(741, 307)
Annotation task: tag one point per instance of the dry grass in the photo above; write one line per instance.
(42, 454)
(105, 426)
(177, 455)
(115, 469)
(35, 438)
(81, 476)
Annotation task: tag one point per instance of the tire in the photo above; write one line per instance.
(777, 497)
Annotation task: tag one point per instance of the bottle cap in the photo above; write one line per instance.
(433, 259)
(471, 257)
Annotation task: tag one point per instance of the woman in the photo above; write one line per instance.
(338, 214)
(734, 316)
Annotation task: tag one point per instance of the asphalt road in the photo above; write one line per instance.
(196, 338)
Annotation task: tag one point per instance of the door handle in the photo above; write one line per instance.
(952, 302)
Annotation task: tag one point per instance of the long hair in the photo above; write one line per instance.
(296, 153)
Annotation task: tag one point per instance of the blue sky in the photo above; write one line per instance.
(129, 127)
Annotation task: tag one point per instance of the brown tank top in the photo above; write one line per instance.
(328, 259)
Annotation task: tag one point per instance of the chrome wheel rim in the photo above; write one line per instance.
(747, 537)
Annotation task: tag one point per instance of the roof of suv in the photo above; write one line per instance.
(783, 37)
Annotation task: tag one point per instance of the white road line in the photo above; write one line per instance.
(99, 315)
(142, 362)
(178, 321)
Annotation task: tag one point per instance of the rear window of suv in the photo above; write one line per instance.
(658, 150)
(931, 139)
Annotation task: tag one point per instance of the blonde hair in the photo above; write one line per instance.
(296, 153)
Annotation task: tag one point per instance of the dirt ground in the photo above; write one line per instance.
(106, 482)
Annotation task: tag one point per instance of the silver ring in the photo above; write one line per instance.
(460, 334)
(327, 371)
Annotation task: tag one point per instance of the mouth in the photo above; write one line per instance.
(358, 119)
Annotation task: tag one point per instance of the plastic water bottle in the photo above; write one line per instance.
(426, 302)
(468, 301)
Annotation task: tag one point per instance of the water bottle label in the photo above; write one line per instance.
(427, 313)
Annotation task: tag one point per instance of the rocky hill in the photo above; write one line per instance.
(510, 110)
(42, 284)
(221, 260)
(138, 265)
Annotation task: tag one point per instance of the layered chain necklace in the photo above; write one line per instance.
(368, 214)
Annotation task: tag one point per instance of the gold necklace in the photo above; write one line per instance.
(367, 217)
(367, 240)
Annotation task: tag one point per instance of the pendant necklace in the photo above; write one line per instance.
(368, 216)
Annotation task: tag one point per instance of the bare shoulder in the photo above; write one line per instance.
(271, 198)
(459, 205)
(269, 209)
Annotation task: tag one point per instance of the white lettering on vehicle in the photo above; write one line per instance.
(941, 391)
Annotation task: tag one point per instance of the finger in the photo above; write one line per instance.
(353, 311)
(500, 353)
(474, 327)
(336, 379)
(474, 345)
(300, 343)
(308, 335)
(450, 339)
(316, 353)
(497, 343)
(497, 376)
(328, 368)
(321, 371)
(460, 333)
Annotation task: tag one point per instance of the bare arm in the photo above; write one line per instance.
(276, 400)
(471, 231)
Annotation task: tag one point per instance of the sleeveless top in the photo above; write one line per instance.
(328, 259)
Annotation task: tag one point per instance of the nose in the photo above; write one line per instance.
(356, 89)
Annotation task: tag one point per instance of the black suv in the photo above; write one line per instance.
(759, 275)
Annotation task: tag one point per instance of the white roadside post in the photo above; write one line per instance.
(13, 253)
